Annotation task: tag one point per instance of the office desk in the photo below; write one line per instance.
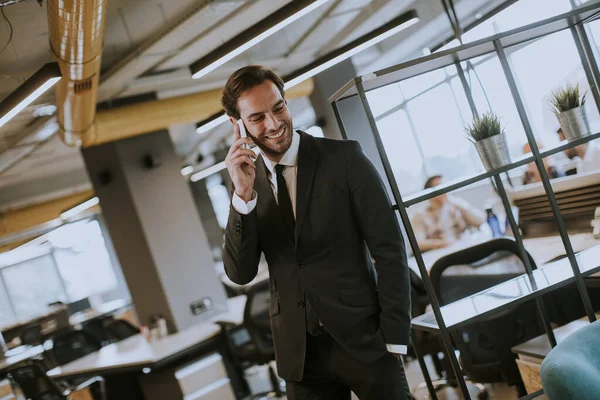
(542, 249)
(136, 353)
(29, 352)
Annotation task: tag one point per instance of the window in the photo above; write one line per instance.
(67, 264)
(82, 259)
(421, 120)
(219, 197)
(32, 285)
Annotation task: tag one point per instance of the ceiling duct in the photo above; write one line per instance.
(76, 30)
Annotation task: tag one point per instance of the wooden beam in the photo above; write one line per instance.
(19, 220)
(138, 119)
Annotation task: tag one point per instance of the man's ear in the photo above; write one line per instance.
(232, 120)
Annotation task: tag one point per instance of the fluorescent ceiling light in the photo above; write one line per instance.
(29, 91)
(279, 20)
(212, 123)
(208, 171)
(396, 25)
(79, 208)
(187, 170)
(356, 46)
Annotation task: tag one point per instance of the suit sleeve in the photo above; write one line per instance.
(379, 227)
(241, 253)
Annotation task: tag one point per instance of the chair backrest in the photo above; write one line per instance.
(572, 369)
(31, 334)
(71, 345)
(118, 329)
(256, 317)
(485, 346)
(31, 378)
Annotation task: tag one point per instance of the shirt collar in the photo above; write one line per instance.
(290, 158)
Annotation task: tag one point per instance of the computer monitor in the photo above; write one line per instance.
(79, 305)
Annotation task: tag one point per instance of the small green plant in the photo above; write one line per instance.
(484, 127)
(567, 98)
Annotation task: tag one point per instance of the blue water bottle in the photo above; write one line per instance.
(494, 224)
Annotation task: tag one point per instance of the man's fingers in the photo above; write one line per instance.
(241, 151)
(242, 159)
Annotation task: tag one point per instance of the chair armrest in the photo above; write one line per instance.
(86, 384)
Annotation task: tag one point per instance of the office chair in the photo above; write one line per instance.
(252, 343)
(118, 329)
(485, 346)
(71, 345)
(32, 335)
(571, 371)
(31, 378)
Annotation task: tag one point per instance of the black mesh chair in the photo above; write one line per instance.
(71, 345)
(31, 335)
(118, 329)
(252, 343)
(30, 377)
(485, 346)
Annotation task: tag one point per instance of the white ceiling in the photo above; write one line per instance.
(148, 46)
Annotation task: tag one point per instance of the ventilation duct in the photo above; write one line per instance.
(76, 29)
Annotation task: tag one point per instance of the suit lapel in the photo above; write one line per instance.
(307, 163)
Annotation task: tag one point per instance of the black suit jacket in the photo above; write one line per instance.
(341, 209)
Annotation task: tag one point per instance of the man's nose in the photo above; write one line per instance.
(272, 123)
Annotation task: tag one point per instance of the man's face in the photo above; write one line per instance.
(267, 119)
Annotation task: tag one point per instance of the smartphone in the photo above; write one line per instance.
(243, 133)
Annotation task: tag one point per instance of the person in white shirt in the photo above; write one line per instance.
(444, 219)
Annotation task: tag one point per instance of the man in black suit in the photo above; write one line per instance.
(314, 207)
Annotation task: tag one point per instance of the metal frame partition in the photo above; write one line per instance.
(351, 99)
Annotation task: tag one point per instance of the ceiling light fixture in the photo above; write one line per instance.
(29, 91)
(330, 59)
(79, 208)
(212, 122)
(208, 171)
(258, 32)
(394, 26)
(188, 169)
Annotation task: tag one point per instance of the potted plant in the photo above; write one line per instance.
(489, 139)
(567, 104)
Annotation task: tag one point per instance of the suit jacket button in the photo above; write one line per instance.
(300, 304)
(301, 266)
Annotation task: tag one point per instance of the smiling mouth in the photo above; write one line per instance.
(277, 135)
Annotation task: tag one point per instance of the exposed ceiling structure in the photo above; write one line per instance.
(148, 46)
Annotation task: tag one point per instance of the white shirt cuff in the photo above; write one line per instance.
(397, 348)
(241, 206)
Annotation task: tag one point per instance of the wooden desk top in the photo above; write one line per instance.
(541, 249)
(137, 352)
(539, 347)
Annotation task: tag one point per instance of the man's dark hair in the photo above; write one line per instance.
(429, 182)
(243, 79)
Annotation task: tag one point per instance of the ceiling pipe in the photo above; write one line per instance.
(76, 33)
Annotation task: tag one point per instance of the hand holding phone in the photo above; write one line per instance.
(240, 164)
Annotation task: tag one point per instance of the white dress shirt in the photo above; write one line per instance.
(290, 174)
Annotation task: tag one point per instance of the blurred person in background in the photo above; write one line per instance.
(532, 174)
(444, 219)
(587, 155)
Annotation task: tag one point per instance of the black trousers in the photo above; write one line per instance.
(330, 373)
